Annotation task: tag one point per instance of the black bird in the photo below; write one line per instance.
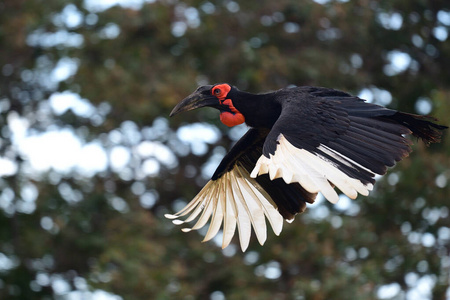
(301, 141)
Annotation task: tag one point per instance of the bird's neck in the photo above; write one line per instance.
(259, 110)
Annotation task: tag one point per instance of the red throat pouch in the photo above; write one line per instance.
(231, 119)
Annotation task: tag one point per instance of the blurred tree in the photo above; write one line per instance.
(89, 163)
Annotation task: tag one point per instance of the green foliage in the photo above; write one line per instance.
(105, 230)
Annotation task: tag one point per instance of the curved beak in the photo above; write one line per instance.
(196, 100)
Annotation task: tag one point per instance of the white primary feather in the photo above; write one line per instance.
(313, 172)
(236, 200)
(341, 158)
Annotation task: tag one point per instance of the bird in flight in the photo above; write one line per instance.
(301, 141)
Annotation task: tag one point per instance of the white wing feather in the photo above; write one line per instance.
(314, 173)
(236, 200)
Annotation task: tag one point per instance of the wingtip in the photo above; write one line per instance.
(247, 207)
(170, 216)
(244, 247)
(332, 197)
(278, 226)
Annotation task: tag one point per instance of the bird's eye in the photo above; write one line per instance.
(221, 91)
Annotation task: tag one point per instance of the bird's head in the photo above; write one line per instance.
(217, 96)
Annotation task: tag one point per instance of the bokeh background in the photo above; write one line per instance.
(90, 161)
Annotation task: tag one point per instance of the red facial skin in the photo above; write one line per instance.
(230, 119)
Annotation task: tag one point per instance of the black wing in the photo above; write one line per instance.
(348, 138)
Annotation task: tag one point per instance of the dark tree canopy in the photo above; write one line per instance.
(90, 161)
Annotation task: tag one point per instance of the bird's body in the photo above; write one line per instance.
(301, 141)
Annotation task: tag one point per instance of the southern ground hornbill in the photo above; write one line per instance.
(301, 141)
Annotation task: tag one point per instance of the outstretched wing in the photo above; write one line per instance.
(235, 199)
(326, 138)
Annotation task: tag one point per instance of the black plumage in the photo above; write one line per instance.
(301, 141)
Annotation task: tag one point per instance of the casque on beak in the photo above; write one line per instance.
(200, 98)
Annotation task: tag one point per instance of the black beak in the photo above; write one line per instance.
(196, 100)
